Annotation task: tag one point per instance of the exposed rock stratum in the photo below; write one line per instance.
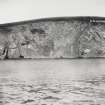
(74, 37)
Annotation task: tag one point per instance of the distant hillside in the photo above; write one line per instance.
(75, 37)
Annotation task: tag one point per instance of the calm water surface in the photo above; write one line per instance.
(52, 82)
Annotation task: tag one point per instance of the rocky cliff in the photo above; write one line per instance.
(76, 37)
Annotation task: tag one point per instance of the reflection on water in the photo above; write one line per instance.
(52, 82)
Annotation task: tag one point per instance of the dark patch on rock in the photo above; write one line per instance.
(5, 30)
(40, 31)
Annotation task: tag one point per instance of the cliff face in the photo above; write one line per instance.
(70, 38)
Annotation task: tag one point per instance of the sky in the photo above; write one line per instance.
(20, 10)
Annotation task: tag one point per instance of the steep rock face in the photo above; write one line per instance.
(70, 38)
(92, 41)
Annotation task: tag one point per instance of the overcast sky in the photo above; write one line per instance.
(19, 10)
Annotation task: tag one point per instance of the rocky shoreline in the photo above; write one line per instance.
(76, 37)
